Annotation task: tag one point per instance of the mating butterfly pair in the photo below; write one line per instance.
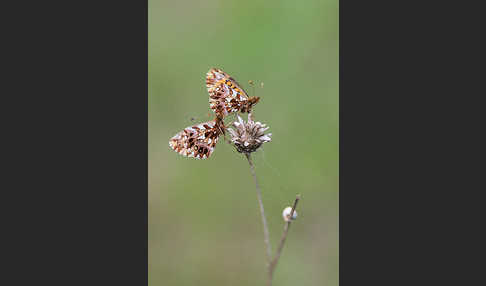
(225, 97)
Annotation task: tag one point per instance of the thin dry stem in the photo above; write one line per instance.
(262, 212)
(271, 264)
(274, 262)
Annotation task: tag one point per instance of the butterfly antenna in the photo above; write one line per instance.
(250, 82)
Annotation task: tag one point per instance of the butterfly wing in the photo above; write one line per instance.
(196, 141)
(225, 94)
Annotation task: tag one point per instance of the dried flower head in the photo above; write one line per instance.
(249, 136)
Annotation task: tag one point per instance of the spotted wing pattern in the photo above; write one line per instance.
(196, 141)
(225, 94)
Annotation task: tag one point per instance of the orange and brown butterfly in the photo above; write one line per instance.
(225, 96)
(198, 141)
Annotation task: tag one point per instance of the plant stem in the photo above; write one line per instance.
(274, 262)
(264, 220)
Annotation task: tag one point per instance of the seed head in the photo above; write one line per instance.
(249, 136)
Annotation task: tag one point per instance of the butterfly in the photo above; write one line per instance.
(225, 97)
(198, 141)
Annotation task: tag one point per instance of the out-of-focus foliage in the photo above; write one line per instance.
(204, 222)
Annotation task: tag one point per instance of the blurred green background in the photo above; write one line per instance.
(204, 222)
